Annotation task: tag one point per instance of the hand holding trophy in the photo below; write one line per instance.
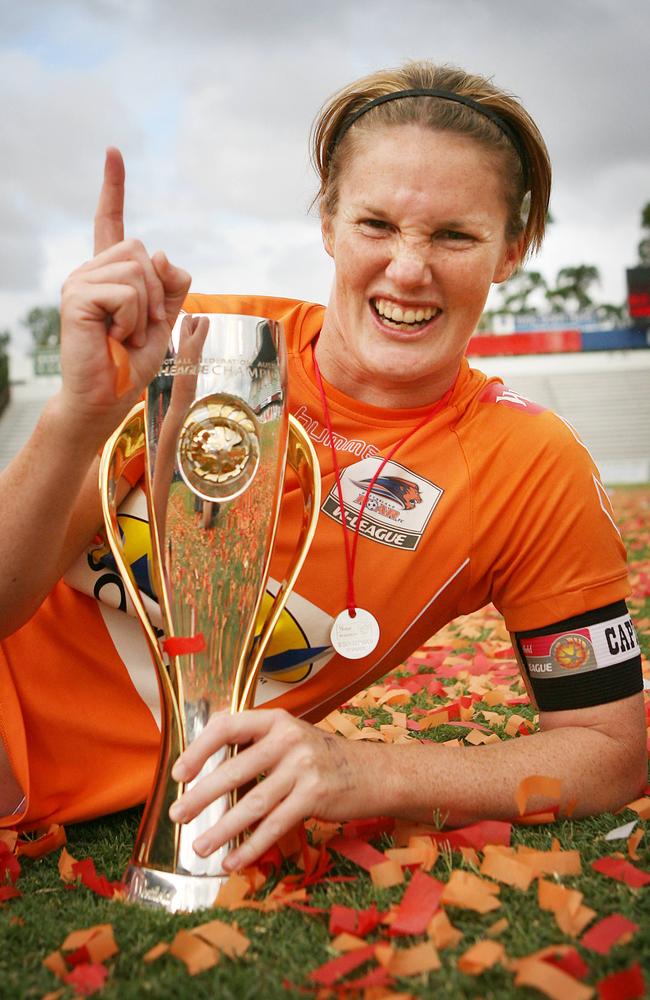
(216, 434)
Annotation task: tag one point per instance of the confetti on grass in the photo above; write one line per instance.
(462, 685)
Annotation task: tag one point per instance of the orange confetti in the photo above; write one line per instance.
(498, 927)
(384, 953)
(566, 905)
(83, 938)
(550, 981)
(120, 358)
(232, 892)
(66, 861)
(45, 844)
(154, 953)
(513, 724)
(640, 806)
(508, 870)
(470, 892)
(428, 851)
(195, 953)
(347, 942)
(412, 961)
(55, 962)
(537, 784)
(469, 856)
(442, 932)
(434, 719)
(498, 696)
(477, 738)
(633, 842)
(386, 874)
(551, 862)
(481, 956)
(226, 937)
(346, 725)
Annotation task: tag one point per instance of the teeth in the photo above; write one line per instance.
(398, 315)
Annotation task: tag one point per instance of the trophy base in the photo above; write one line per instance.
(171, 891)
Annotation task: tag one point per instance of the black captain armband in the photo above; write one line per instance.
(587, 660)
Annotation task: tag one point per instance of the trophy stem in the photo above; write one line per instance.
(171, 891)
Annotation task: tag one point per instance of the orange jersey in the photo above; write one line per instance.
(492, 499)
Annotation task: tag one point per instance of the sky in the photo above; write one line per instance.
(211, 102)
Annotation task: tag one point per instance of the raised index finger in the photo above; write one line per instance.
(109, 218)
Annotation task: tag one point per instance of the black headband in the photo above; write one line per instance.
(447, 95)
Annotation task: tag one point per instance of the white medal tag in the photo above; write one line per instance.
(355, 637)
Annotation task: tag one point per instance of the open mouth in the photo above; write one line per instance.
(404, 318)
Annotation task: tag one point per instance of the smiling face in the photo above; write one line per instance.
(417, 238)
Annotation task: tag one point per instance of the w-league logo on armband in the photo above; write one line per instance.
(603, 644)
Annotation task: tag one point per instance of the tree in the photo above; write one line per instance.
(644, 245)
(572, 285)
(609, 312)
(516, 291)
(44, 324)
(5, 337)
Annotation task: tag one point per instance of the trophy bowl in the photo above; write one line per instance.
(216, 437)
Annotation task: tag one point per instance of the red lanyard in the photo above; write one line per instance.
(351, 552)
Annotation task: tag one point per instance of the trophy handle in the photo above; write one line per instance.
(302, 458)
(126, 444)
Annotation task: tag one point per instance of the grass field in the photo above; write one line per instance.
(287, 944)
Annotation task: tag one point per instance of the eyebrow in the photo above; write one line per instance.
(447, 224)
(373, 211)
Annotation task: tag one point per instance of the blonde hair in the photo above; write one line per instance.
(527, 186)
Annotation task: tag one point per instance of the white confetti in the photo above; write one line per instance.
(621, 832)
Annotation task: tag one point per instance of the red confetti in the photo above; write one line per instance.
(9, 892)
(355, 850)
(608, 932)
(329, 972)
(80, 956)
(345, 919)
(419, 903)
(270, 861)
(88, 979)
(376, 977)
(571, 963)
(625, 985)
(622, 871)
(179, 645)
(96, 883)
(367, 828)
(477, 835)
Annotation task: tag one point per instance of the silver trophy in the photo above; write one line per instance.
(217, 436)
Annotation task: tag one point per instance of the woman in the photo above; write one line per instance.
(470, 494)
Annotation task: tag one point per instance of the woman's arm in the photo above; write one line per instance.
(599, 753)
(48, 494)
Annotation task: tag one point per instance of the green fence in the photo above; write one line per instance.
(4, 381)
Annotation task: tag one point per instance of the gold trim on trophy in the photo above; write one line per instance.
(216, 435)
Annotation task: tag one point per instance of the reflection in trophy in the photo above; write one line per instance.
(217, 435)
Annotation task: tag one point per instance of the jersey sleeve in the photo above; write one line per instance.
(545, 539)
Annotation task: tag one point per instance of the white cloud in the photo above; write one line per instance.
(212, 103)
